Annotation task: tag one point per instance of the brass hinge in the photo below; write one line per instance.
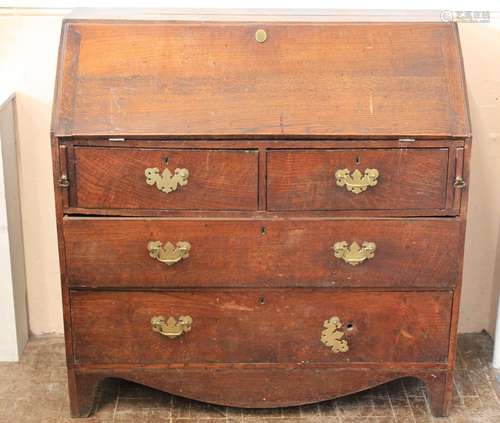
(63, 181)
(116, 139)
(406, 139)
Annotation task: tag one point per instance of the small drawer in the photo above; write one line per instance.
(358, 179)
(269, 326)
(164, 179)
(188, 253)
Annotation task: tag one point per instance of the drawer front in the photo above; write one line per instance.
(274, 326)
(211, 253)
(115, 178)
(396, 179)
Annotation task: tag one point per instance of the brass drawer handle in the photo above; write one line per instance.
(171, 327)
(332, 336)
(356, 182)
(354, 254)
(166, 182)
(168, 253)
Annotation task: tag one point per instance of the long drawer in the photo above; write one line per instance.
(358, 179)
(170, 253)
(164, 179)
(269, 326)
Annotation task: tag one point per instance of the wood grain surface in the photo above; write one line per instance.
(195, 79)
(268, 326)
(408, 179)
(113, 178)
(287, 253)
(261, 277)
(254, 387)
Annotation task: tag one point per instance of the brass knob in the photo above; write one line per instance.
(459, 183)
(261, 35)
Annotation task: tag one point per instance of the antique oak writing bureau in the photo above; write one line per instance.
(260, 213)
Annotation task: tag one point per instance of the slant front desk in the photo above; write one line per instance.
(260, 214)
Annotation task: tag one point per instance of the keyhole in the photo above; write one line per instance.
(262, 300)
(349, 326)
(357, 160)
(165, 160)
(263, 230)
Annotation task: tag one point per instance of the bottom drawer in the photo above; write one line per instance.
(260, 326)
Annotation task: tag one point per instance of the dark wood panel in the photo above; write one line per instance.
(277, 326)
(408, 179)
(323, 79)
(113, 252)
(113, 178)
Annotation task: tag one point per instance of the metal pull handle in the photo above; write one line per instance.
(459, 183)
(166, 182)
(332, 336)
(170, 326)
(356, 182)
(168, 253)
(354, 254)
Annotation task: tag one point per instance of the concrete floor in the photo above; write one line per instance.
(35, 390)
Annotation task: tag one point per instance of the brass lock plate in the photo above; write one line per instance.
(332, 335)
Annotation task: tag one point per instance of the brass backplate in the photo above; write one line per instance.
(168, 253)
(354, 254)
(170, 326)
(356, 182)
(166, 182)
(332, 336)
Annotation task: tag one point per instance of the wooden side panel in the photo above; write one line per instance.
(113, 252)
(408, 179)
(307, 79)
(276, 326)
(113, 178)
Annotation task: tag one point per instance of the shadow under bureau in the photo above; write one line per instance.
(260, 213)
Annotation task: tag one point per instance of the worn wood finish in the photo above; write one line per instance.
(198, 79)
(261, 214)
(271, 143)
(113, 178)
(408, 179)
(413, 181)
(82, 389)
(265, 387)
(113, 252)
(274, 326)
(260, 220)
